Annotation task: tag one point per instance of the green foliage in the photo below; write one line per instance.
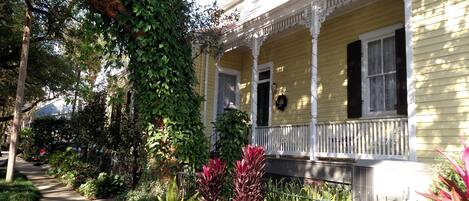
(50, 70)
(145, 191)
(88, 124)
(161, 74)
(445, 169)
(102, 187)
(233, 129)
(68, 167)
(49, 133)
(19, 189)
(26, 144)
(295, 191)
(45, 133)
(173, 194)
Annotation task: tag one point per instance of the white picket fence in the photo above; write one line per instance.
(358, 139)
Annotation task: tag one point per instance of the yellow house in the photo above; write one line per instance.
(343, 89)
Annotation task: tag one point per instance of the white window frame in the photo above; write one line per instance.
(261, 68)
(365, 39)
(215, 98)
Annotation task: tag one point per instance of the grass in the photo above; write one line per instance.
(19, 190)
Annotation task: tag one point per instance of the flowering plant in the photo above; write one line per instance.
(448, 190)
(247, 179)
(210, 180)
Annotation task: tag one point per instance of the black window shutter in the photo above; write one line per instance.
(401, 74)
(354, 83)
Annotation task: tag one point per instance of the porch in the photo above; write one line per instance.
(353, 139)
(336, 108)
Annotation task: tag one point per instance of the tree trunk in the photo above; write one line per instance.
(76, 91)
(19, 93)
(2, 131)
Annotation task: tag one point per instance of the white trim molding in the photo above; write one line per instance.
(207, 57)
(281, 18)
(365, 38)
(380, 32)
(411, 106)
(229, 72)
(268, 67)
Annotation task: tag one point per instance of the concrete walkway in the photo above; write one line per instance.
(51, 189)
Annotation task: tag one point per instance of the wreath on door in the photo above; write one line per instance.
(281, 102)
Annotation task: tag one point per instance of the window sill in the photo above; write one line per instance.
(388, 116)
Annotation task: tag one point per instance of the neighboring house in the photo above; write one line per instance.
(55, 108)
(374, 87)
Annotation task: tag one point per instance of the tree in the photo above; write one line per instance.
(51, 16)
(51, 70)
(19, 93)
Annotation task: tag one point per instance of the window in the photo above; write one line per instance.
(227, 90)
(379, 72)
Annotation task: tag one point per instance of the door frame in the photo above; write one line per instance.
(265, 67)
(228, 71)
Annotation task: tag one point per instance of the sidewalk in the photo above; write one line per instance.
(51, 189)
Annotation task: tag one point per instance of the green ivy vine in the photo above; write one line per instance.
(154, 35)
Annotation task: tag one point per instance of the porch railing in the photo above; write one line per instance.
(358, 139)
(364, 139)
(284, 139)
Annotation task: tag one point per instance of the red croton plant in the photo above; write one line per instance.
(247, 180)
(210, 180)
(448, 190)
(247, 177)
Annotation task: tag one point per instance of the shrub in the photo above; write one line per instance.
(296, 191)
(232, 127)
(68, 167)
(210, 181)
(145, 191)
(26, 144)
(445, 169)
(247, 179)
(51, 133)
(102, 187)
(173, 194)
(448, 189)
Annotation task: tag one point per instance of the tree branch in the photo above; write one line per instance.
(111, 9)
(27, 109)
(37, 10)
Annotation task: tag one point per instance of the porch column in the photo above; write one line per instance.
(410, 82)
(314, 31)
(255, 48)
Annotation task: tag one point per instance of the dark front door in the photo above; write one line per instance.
(263, 109)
